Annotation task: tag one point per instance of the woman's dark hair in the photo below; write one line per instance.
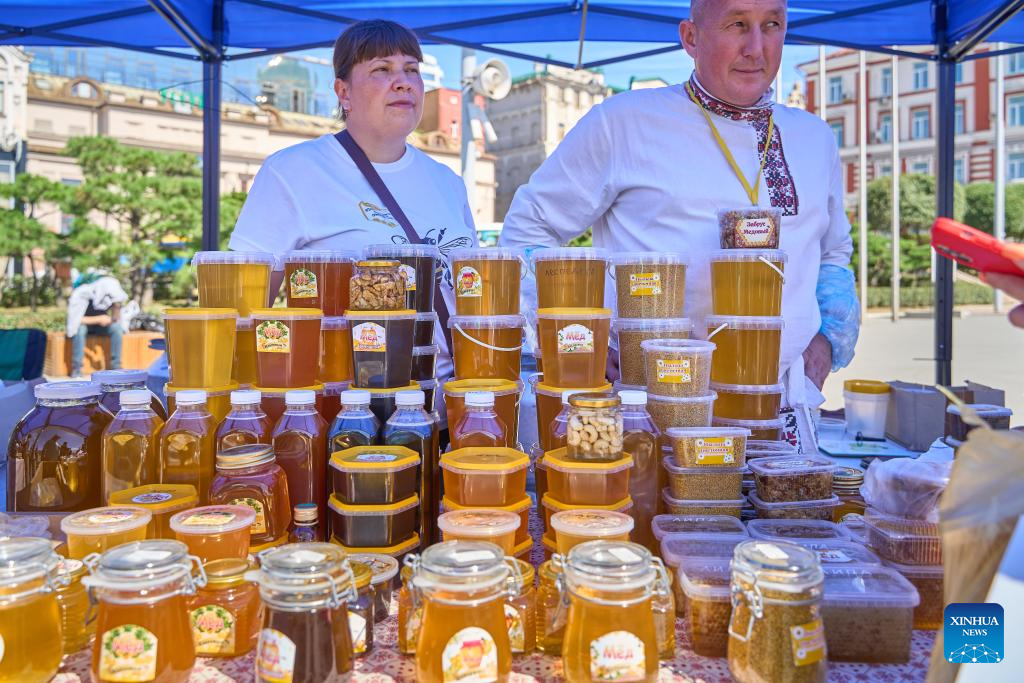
(372, 39)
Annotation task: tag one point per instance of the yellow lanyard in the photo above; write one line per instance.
(752, 192)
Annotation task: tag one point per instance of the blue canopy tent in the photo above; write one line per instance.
(218, 31)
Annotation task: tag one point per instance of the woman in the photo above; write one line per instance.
(313, 195)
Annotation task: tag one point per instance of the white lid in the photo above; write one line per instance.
(67, 391)
(334, 322)
(426, 316)
(355, 397)
(410, 397)
(481, 399)
(479, 522)
(791, 466)
(668, 462)
(652, 325)
(218, 257)
(707, 398)
(982, 409)
(748, 388)
(119, 376)
(135, 397)
(431, 350)
(752, 425)
(319, 256)
(592, 523)
(798, 530)
(113, 519)
(484, 254)
(384, 567)
(570, 392)
(677, 547)
(245, 397)
(697, 347)
(190, 397)
(408, 250)
(569, 253)
(633, 398)
(705, 432)
(213, 519)
(660, 258)
(830, 502)
(744, 322)
(742, 255)
(867, 586)
(299, 397)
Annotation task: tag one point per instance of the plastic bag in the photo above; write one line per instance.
(978, 514)
(906, 488)
(840, 312)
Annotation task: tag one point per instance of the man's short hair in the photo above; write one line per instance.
(699, 7)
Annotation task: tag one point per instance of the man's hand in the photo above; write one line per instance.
(818, 360)
(1012, 285)
(611, 370)
(103, 320)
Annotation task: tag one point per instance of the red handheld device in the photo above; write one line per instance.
(976, 249)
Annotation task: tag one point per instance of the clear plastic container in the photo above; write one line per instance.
(481, 524)
(574, 344)
(997, 417)
(243, 369)
(797, 531)
(424, 362)
(382, 344)
(677, 367)
(640, 437)
(760, 430)
(318, 279)
(485, 476)
(703, 483)
(507, 396)
(479, 425)
(549, 405)
(397, 551)
(375, 475)
(902, 540)
(747, 282)
(750, 228)
(521, 508)
(570, 277)
(551, 506)
(840, 554)
(373, 526)
(630, 333)
(649, 284)
(805, 509)
(868, 614)
(676, 506)
(586, 483)
(759, 448)
(377, 285)
(114, 382)
(423, 329)
(676, 548)
(161, 500)
(681, 411)
(748, 401)
(705, 583)
(418, 267)
(487, 347)
(748, 349)
(335, 350)
(593, 430)
(188, 442)
(384, 570)
(712, 447)
(573, 527)
(200, 345)
(233, 279)
(273, 399)
(867, 404)
(672, 525)
(213, 532)
(131, 444)
(99, 529)
(928, 580)
(355, 424)
(792, 479)
(487, 280)
(287, 346)
(246, 423)
(300, 443)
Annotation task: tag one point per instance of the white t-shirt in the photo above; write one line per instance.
(312, 196)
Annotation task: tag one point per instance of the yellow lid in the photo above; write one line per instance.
(552, 390)
(199, 313)
(557, 506)
(525, 504)
(393, 550)
(363, 574)
(556, 460)
(376, 458)
(218, 390)
(388, 392)
(526, 570)
(372, 315)
(485, 459)
(226, 573)
(523, 548)
(550, 545)
(285, 313)
(157, 498)
(459, 387)
(866, 386)
(273, 391)
(574, 313)
(254, 549)
(594, 400)
(387, 509)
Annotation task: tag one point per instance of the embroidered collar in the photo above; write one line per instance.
(758, 112)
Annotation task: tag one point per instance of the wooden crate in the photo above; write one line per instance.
(135, 353)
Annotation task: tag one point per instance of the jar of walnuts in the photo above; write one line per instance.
(594, 430)
(377, 286)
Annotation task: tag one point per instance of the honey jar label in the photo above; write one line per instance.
(409, 273)
(808, 642)
(151, 498)
(275, 660)
(674, 371)
(105, 518)
(369, 337)
(469, 283)
(412, 626)
(575, 338)
(213, 629)
(754, 233)
(833, 556)
(618, 656)
(516, 630)
(128, 654)
(470, 656)
(376, 457)
(715, 450)
(645, 284)
(302, 284)
(357, 627)
(208, 519)
(272, 336)
(260, 525)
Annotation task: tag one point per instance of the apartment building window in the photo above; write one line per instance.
(960, 171)
(958, 119)
(1016, 166)
(958, 77)
(884, 170)
(1015, 63)
(920, 76)
(7, 176)
(835, 90)
(837, 130)
(1015, 107)
(887, 82)
(920, 167)
(885, 128)
(921, 128)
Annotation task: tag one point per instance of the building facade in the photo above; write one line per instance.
(916, 82)
(14, 74)
(541, 108)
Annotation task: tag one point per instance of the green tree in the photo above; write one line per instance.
(915, 259)
(981, 210)
(21, 232)
(917, 204)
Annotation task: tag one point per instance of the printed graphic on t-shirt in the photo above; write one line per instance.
(376, 214)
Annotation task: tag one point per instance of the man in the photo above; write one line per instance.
(647, 171)
(94, 307)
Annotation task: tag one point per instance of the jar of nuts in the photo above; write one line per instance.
(377, 286)
(594, 430)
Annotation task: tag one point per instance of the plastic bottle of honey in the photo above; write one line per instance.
(463, 587)
(114, 382)
(131, 453)
(188, 444)
(480, 424)
(300, 443)
(246, 423)
(355, 425)
(640, 439)
(30, 618)
(411, 426)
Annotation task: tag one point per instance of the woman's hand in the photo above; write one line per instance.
(1012, 285)
(818, 360)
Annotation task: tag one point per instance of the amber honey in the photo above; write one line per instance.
(488, 347)
(243, 369)
(487, 281)
(200, 345)
(233, 279)
(748, 349)
(335, 350)
(287, 346)
(747, 282)
(131, 445)
(318, 279)
(748, 402)
(226, 614)
(570, 277)
(574, 344)
(30, 617)
(188, 444)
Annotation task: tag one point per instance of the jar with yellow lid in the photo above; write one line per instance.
(521, 608)
(73, 599)
(227, 613)
(305, 589)
(608, 588)
(143, 630)
(463, 587)
(867, 405)
(30, 615)
(360, 610)
(549, 634)
(776, 631)
(162, 501)
(846, 483)
(377, 285)
(594, 430)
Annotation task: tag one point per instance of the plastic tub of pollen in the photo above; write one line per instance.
(375, 475)
(367, 526)
(677, 506)
(798, 531)
(711, 447)
(703, 483)
(868, 613)
(804, 509)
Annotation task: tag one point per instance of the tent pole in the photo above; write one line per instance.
(822, 99)
(945, 105)
(1000, 159)
(897, 169)
(212, 73)
(862, 179)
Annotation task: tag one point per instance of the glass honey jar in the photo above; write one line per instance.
(226, 613)
(30, 616)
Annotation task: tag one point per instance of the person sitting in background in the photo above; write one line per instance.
(1012, 285)
(95, 308)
